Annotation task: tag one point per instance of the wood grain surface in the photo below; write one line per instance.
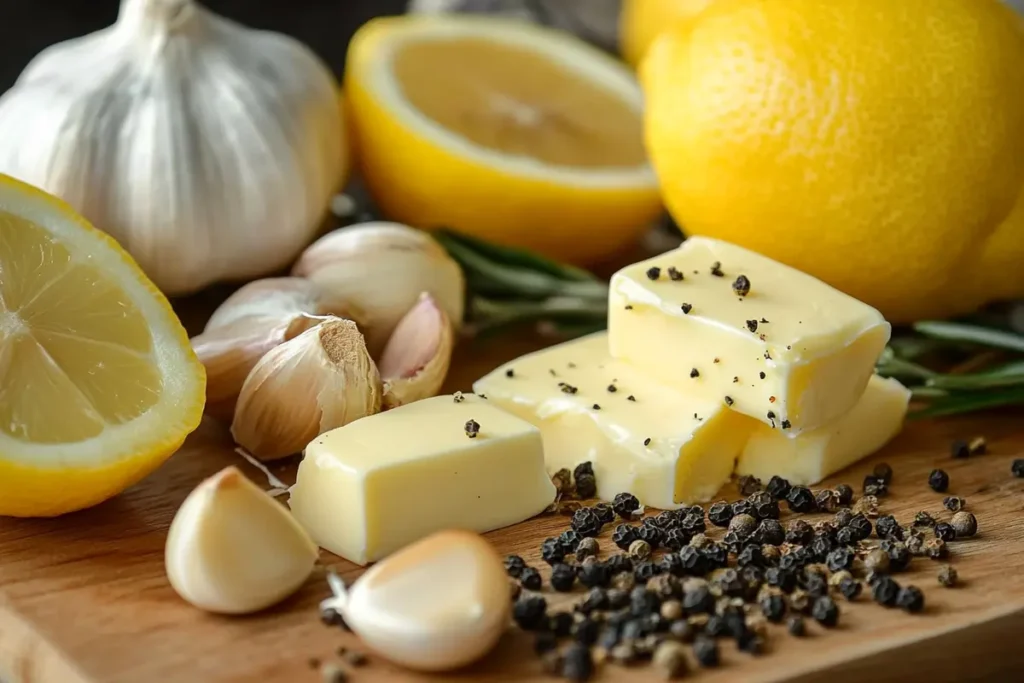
(84, 598)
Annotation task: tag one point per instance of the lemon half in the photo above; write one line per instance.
(515, 133)
(98, 383)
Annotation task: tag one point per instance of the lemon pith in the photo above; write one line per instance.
(98, 383)
(565, 176)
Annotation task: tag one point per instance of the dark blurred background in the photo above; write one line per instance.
(28, 26)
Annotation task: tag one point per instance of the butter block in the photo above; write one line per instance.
(377, 484)
(663, 446)
(792, 351)
(810, 457)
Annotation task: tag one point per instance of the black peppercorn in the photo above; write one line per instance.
(651, 534)
(643, 601)
(560, 624)
(767, 510)
(1017, 468)
(778, 488)
(875, 487)
(799, 532)
(924, 519)
(682, 631)
(472, 428)
(586, 631)
(514, 565)
(562, 577)
(795, 626)
(577, 664)
(624, 504)
(720, 514)
(748, 484)
(750, 555)
(816, 585)
(674, 539)
(954, 503)
(570, 540)
(741, 287)
(883, 472)
(716, 627)
(644, 571)
(728, 400)
(910, 598)
(885, 590)
(699, 600)
(948, 576)
(716, 556)
(800, 499)
(742, 525)
(850, 588)
(551, 550)
(839, 559)
(530, 579)
(687, 308)
(593, 574)
(825, 611)
(530, 612)
(620, 562)
(674, 274)
(846, 536)
(845, 493)
(585, 522)
(586, 486)
(624, 535)
(959, 449)
(945, 532)
(783, 579)
(821, 545)
(826, 500)
(705, 651)
(770, 531)
(861, 526)
(596, 599)
(693, 523)
(938, 480)
(653, 273)
(899, 554)
(604, 512)
(616, 599)
(886, 526)
(964, 524)
(692, 561)
(773, 606)
(545, 641)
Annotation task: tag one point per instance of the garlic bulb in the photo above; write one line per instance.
(375, 272)
(210, 151)
(250, 322)
(436, 605)
(233, 549)
(322, 379)
(416, 359)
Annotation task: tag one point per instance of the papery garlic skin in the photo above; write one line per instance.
(322, 379)
(252, 321)
(417, 356)
(210, 151)
(233, 549)
(375, 272)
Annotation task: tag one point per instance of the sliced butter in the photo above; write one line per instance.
(815, 346)
(377, 484)
(810, 457)
(664, 446)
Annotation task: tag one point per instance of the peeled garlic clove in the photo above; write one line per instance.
(253, 320)
(416, 358)
(233, 549)
(436, 605)
(375, 272)
(322, 379)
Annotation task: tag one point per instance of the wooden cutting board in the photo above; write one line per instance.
(84, 599)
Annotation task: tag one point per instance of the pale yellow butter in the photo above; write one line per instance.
(810, 457)
(815, 346)
(664, 446)
(377, 484)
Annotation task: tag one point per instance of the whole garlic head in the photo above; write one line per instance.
(322, 379)
(210, 151)
(375, 272)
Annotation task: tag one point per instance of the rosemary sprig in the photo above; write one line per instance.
(950, 367)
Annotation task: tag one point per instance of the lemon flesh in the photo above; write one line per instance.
(97, 382)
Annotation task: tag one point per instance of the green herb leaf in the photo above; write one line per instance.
(971, 402)
(972, 334)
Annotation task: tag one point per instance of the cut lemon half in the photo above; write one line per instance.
(98, 383)
(508, 131)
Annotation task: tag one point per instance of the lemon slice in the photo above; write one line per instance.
(512, 132)
(98, 383)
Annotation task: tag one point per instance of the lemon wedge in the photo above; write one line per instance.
(98, 382)
(512, 132)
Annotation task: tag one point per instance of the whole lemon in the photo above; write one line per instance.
(641, 21)
(878, 145)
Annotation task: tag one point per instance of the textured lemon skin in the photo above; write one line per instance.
(27, 491)
(876, 145)
(418, 181)
(641, 21)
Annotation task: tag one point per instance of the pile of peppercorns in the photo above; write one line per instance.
(672, 587)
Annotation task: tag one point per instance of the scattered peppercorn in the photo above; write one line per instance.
(924, 519)
(545, 641)
(728, 401)
(936, 549)
(653, 273)
(839, 559)
(562, 577)
(826, 500)
(530, 612)
(472, 428)
(716, 269)
(773, 606)
(687, 308)
(885, 590)
(800, 499)
(938, 480)
(624, 535)
(948, 576)
(720, 514)
(743, 525)
(530, 579)
(945, 531)
(741, 286)
(752, 325)
(639, 550)
(799, 532)
(778, 488)
(954, 503)
(795, 626)
(705, 651)
(586, 522)
(674, 274)
(964, 524)
(785, 424)
(1017, 468)
(770, 532)
(886, 526)
(911, 599)
(825, 611)
(514, 565)
(749, 485)
(959, 449)
(577, 664)
(632, 398)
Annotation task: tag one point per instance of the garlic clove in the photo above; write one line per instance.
(416, 359)
(250, 322)
(322, 379)
(233, 549)
(436, 605)
(374, 273)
